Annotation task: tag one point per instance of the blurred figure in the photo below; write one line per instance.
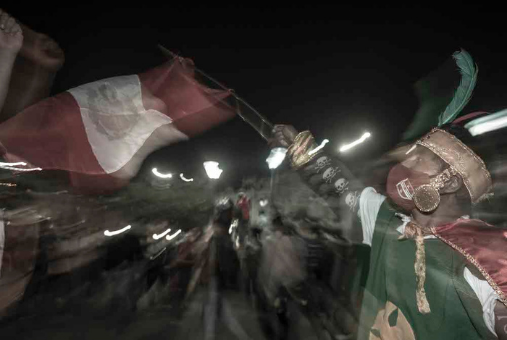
(19, 247)
(33, 60)
(430, 263)
(320, 301)
(11, 40)
(218, 269)
(184, 262)
(281, 270)
(244, 204)
(250, 262)
(21, 84)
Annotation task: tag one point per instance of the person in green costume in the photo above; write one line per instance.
(434, 273)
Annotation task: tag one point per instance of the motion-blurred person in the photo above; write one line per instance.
(244, 204)
(281, 269)
(218, 269)
(251, 260)
(19, 248)
(434, 273)
(31, 61)
(11, 40)
(28, 62)
(184, 262)
(314, 294)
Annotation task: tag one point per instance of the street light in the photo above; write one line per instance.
(276, 157)
(274, 160)
(213, 172)
(212, 169)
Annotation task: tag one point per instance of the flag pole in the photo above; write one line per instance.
(260, 128)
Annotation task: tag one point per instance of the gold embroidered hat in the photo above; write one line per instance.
(462, 160)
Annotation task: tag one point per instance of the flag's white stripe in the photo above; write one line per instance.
(116, 122)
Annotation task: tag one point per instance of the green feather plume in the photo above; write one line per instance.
(463, 93)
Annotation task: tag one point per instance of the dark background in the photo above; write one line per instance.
(336, 70)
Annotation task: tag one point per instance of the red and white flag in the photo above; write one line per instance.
(101, 132)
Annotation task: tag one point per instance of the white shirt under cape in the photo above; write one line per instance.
(369, 206)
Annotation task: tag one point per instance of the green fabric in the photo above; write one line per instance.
(456, 312)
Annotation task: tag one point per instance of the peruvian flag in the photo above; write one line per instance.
(101, 132)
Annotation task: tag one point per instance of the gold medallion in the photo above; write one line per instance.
(426, 198)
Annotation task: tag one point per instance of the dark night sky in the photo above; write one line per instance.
(334, 70)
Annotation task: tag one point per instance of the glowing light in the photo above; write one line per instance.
(487, 124)
(19, 169)
(263, 203)
(324, 142)
(186, 179)
(276, 157)
(13, 166)
(161, 175)
(212, 169)
(356, 142)
(116, 232)
(159, 236)
(170, 237)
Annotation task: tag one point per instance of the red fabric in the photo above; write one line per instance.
(244, 205)
(193, 107)
(51, 134)
(485, 243)
(469, 116)
(402, 183)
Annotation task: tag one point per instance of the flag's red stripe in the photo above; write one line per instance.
(193, 107)
(51, 135)
(201, 121)
(96, 184)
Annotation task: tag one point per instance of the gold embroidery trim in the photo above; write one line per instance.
(299, 151)
(472, 260)
(464, 175)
